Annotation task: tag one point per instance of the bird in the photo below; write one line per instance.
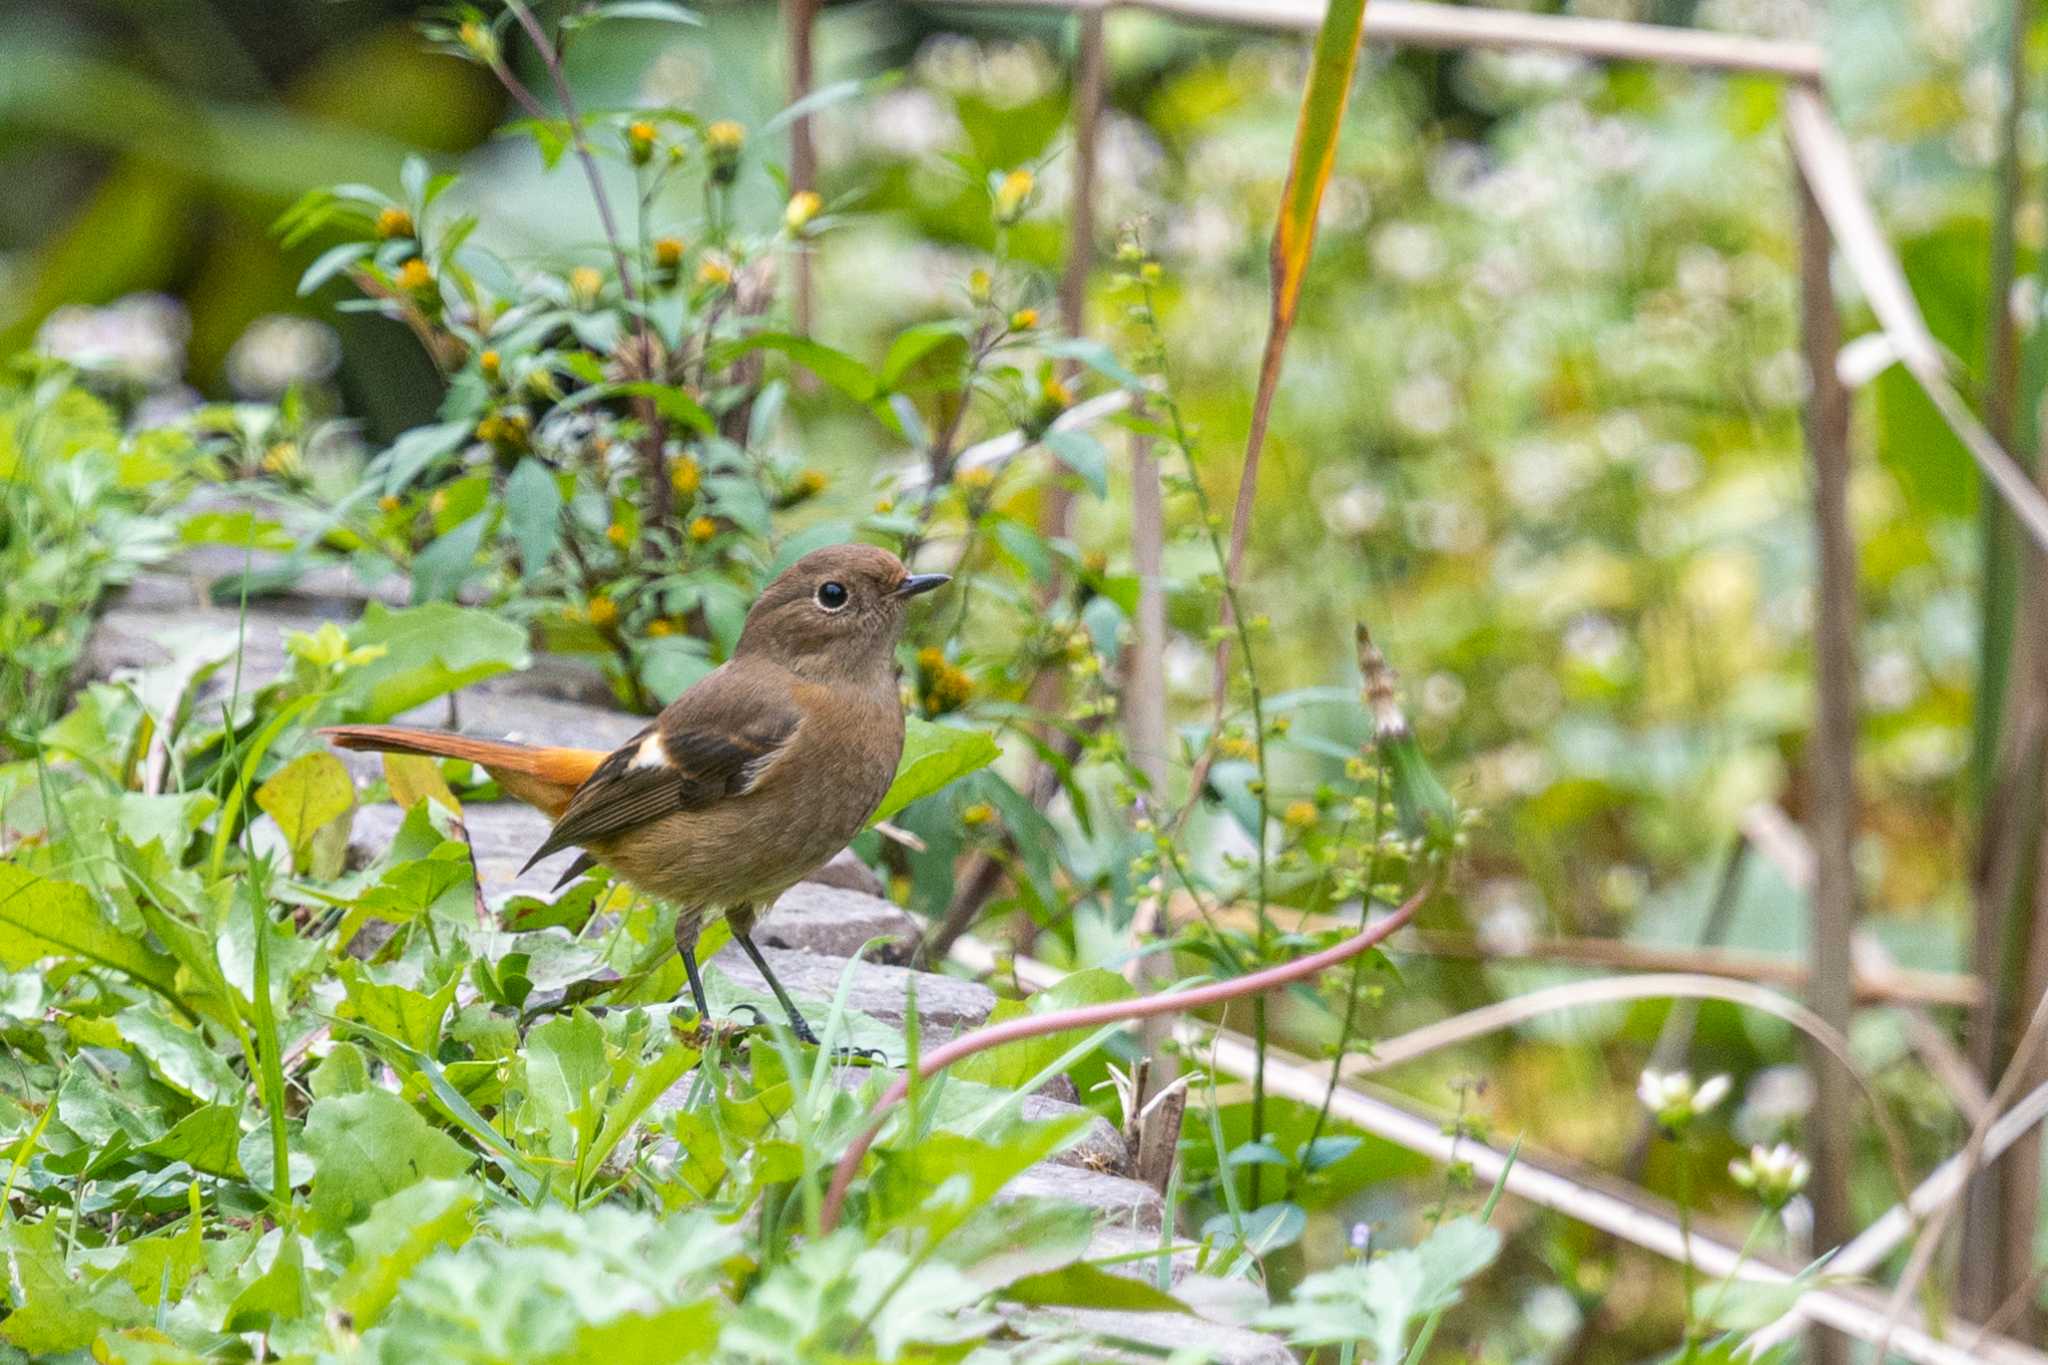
(750, 780)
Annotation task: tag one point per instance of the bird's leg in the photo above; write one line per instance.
(688, 921)
(743, 930)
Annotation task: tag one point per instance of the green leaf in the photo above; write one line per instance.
(43, 918)
(279, 1294)
(913, 344)
(305, 796)
(205, 1139)
(1013, 1064)
(567, 1082)
(1081, 1285)
(398, 1233)
(933, 756)
(408, 1015)
(240, 529)
(1378, 1300)
(440, 570)
(1083, 454)
(428, 651)
(533, 514)
(179, 1055)
(368, 1147)
(835, 367)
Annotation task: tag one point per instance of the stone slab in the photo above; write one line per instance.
(1165, 1333)
(827, 919)
(1117, 1202)
(1100, 1148)
(946, 1005)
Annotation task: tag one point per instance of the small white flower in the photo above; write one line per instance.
(1675, 1101)
(1773, 1174)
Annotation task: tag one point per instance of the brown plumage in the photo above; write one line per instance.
(748, 781)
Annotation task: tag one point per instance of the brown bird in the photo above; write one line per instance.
(748, 781)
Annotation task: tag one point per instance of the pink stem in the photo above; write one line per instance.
(1094, 1016)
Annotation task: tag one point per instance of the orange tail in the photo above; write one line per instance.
(545, 778)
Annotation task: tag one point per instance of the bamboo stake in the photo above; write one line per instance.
(1832, 762)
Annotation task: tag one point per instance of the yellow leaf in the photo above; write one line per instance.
(414, 778)
(305, 796)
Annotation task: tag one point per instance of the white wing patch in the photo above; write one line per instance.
(652, 753)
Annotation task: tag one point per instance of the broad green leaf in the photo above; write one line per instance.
(240, 529)
(533, 513)
(440, 570)
(429, 651)
(567, 1082)
(54, 1310)
(1083, 454)
(1081, 1285)
(369, 1146)
(1377, 1301)
(205, 1139)
(835, 367)
(1013, 1064)
(280, 1294)
(933, 756)
(305, 796)
(42, 918)
(412, 1017)
(398, 1233)
(181, 1056)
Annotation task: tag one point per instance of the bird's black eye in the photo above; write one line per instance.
(832, 596)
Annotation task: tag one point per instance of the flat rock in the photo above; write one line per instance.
(847, 872)
(1117, 1202)
(1110, 1243)
(1165, 1333)
(1100, 1148)
(835, 922)
(946, 1005)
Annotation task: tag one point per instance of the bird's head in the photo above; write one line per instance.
(837, 612)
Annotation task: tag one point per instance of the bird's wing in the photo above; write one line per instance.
(714, 742)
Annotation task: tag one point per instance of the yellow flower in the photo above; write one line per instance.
(1150, 272)
(640, 141)
(810, 483)
(980, 813)
(394, 222)
(668, 252)
(703, 529)
(505, 430)
(714, 270)
(281, 458)
(931, 658)
(414, 277)
(1236, 746)
(585, 282)
(980, 285)
(617, 533)
(723, 142)
(1024, 319)
(603, 612)
(388, 503)
(1056, 393)
(685, 477)
(884, 506)
(661, 627)
(488, 362)
(480, 40)
(976, 479)
(1011, 195)
(949, 690)
(1300, 815)
(804, 205)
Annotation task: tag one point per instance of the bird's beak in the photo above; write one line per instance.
(921, 582)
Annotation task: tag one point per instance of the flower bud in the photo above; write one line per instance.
(803, 206)
(723, 143)
(392, 223)
(640, 139)
(1012, 193)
